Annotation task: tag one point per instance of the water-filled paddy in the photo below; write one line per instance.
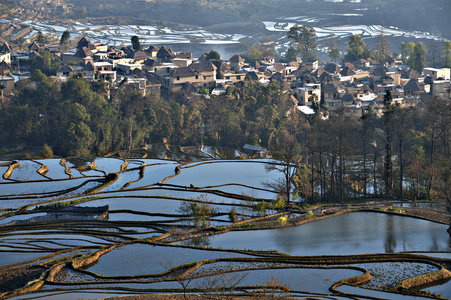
(3, 170)
(386, 275)
(48, 186)
(249, 173)
(376, 294)
(13, 257)
(152, 259)
(56, 170)
(108, 165)
(355, 233)
(26, 171)
(443, 289)
(149, 204)
(124, 178)
(154, 174)
(314, 280)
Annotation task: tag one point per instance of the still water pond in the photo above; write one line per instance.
(355, 233)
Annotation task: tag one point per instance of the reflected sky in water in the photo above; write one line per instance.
(355, 233)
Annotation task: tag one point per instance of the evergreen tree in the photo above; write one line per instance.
(65, 37)
(446, 54)
(136, 43)
(419, 58)
(305, 39)
(357, 49)
(40, 39)
(213, 55)
(388, 165)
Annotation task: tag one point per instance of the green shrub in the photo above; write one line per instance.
(47, 151)
(282, 220)
(260, 208)
(200, 213)
(233, 216)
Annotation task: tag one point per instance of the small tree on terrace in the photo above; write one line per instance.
(287, 153)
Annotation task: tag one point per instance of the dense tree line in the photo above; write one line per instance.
(404, 153)
(82, 117)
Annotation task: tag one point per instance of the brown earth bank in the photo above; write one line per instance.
(13, 279)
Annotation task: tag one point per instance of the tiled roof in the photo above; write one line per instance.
(390, 59)
(347, 71)
(411, 74)
(203, 66)
(185, 55)
(4, 66)
(279, 66)
(151, 63)
(307, 78)
(379, 71)
(318, 72)
(64, 69)
(255, 64)
(89, 66)
(237, 59)
(294, 64)
(6, 48)
(252, 75)
(325, 77)
(83, 42)
(182, 72)
(164, 52)
(348, 98)
(412, 86)
(330, 88)
(83, 52)
(139, 55)
(152, 48)
(220, 66)
(332, 68)
(189, 88)
(304, 69)
(34, 47)
(138, 73)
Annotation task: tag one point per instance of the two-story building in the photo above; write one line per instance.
(444, 73)
(304, 95)
(201, 75)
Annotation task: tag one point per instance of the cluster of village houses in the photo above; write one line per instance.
(355, 86)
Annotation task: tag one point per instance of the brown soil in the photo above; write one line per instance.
(429, 214)
(13, 279)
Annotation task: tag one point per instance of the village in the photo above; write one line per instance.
(357, 86)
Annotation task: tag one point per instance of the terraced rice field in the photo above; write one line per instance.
(108, 226)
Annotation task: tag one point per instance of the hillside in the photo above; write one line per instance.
(406, 14)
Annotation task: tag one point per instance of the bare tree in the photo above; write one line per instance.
(179, 274)
(288, 154)
(272, 289)
(218, 283)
